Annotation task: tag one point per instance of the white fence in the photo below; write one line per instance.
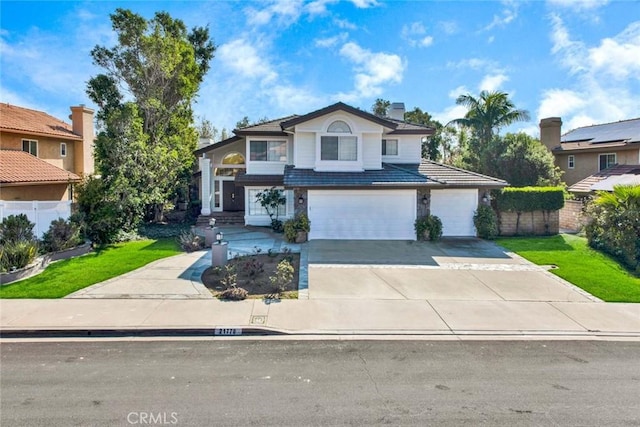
(40, 213)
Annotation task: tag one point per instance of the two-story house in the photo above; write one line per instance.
(588, 150)
(356, 175)
(42, 156)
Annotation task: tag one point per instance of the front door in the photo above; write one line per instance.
(232, 197)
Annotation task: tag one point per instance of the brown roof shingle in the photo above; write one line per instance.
(22, 167)
(23, 120)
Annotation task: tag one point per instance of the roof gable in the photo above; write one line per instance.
(338, 106)
(22, 167)
(32, 122)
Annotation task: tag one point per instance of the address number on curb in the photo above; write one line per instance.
(227, 331)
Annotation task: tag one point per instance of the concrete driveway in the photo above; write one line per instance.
(451, 269)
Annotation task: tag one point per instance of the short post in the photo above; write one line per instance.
(219, 251)
(210, 233)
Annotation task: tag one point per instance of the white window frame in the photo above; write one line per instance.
(385, 148)
(29, 150)
(615, 160)
(571, 161)
(63, 149)
(341, 140)
(254, 208)
(269, 142)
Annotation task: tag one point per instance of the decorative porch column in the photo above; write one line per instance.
(205, 185)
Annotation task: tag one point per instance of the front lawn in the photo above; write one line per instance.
(577, 263)
(64, 277)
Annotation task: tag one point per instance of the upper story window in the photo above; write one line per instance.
(63, 149)
(389, 147)
(571, 161)
(30, 146)
(339, 147)
(233, 159)
(268, 151)
(607, 160)
(338, 127)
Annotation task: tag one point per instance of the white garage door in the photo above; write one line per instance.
(455, 209)
(362, 214)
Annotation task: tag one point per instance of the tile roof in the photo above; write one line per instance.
(452, 176)
(607, 135)
(243, 179)
(22, 167)
(607, 178)
(23, 120)
(427, 173)
(387, 176)
(270, 127)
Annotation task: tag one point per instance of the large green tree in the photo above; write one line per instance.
(520, 160)
(485, 116)
(380, 107)
(146, 126)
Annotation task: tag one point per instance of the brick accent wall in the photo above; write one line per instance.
(300, 208)
(571, 215)
(422, 207)
(530, 223)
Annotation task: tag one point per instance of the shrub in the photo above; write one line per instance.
(190, 242)
(293, 226)
(16, 228)
(61, 235)
(615, 225)
(428, 227)
(15, 255)
(102, 220)
(486, 222)
(271, 200)
(282, 277)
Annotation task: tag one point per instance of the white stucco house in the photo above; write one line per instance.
(356, 175)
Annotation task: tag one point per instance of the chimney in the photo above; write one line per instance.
(396, 111)
(550, 131)
(82, 123)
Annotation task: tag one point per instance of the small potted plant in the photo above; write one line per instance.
(297, 229)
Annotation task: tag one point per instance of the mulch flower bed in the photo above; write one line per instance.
(253, 273)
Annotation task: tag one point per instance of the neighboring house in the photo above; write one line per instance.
(606, 179)
(356, 175)
(41, 156)
(588, 150)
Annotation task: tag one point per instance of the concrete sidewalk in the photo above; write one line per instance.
(342, 317)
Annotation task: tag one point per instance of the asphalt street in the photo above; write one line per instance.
(299, 383)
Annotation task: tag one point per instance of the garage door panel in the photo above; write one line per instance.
(362, 214)
(455, 208)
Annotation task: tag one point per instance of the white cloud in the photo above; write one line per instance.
(426, 41)
(578, 4)
(448, 27)
(318, 7)
(478, 64)
(344, 24)
(619, 56)
(242, 57)
(509, 13)
(415, 34)
(373, 70)
(284, 12)
(460, 90)
(492, 82)
(365, 4)
(450, 113)
(331, 41)
(605, 77)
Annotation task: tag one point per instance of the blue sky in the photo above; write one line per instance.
(576, 59)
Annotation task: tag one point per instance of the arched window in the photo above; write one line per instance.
(233, 159)
(339, 127)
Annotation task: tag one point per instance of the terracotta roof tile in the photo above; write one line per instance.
(22, 167)
(24, 120)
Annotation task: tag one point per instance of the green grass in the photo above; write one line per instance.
(64, 277)
(596, 273)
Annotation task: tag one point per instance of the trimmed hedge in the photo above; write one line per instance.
(529, 199)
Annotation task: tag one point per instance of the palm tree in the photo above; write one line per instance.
(488, 113)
